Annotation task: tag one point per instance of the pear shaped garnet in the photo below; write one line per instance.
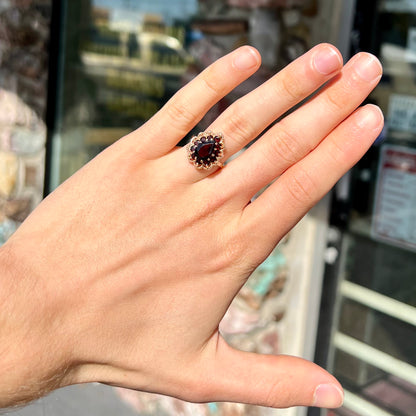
(205, 150)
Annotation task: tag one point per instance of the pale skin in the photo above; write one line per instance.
(123, 274)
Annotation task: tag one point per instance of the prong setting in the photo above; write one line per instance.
(205, 150)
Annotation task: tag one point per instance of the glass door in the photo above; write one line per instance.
(373, 338)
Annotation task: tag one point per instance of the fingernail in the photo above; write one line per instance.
(327, 61)
(369, 117)
(368, 67)
(328, 396)
(246, 59)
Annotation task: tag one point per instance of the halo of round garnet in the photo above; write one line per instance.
(206, 149)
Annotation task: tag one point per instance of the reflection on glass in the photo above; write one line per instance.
(389, 393)
(386, 269)
(123, 61)
(378, 330)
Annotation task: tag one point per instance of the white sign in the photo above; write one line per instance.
(394, 218)
(402, 113)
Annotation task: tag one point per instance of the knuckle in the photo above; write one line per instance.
(275, 396)
(210, 82)
(337, 153)
(339, 97)
(285, 146)
(289, 88)
(238, 127)
(302, 188)
(180, 115)
(335, 101)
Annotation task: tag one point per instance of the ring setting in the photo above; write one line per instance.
(206, 149)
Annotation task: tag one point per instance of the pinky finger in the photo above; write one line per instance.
(305, 183)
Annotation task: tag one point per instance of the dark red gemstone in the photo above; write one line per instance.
(205, 150)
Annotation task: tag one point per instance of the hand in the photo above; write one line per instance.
(123, 274)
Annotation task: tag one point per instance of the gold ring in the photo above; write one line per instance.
(206, 149)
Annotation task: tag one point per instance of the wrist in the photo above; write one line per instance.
(32, 358)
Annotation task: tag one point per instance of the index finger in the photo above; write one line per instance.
(187, 107)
